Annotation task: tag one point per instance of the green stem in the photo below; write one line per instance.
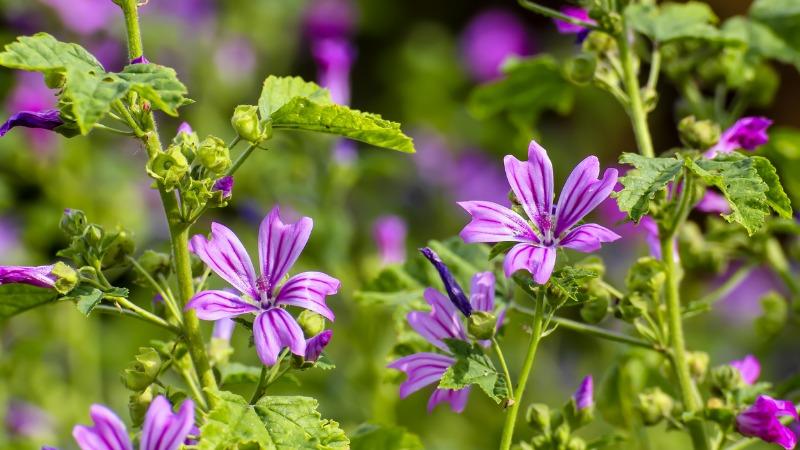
(145, 314)
(635, 105)
(240, 160)
(655, 69)
(108, 309)
(130, 9)
(268, 377)
(168, 300)
(721, 292)
(744, 443)
(552, 13)
(536, 335)
(504, 366)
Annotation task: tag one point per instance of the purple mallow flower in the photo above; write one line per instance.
(224, 185)
(552, 226)
(451, 286)
(442, 322)
(762, 420)
(330, 19)
(713, 202)
(162, 429)
(317, 344)
(334, 58)
(223, 328)
(747, 133)
(575, 12)
(390, 238)
(584, 396)
(279, 246)
(85, 16)
(235, 59)
(40, 276)
(46, 120)
(24, 419)
(489, 39)
(748, 367)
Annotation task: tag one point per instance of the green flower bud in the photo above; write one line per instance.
(93, 235)
(698, 134)
(725, 379)
(538, 417)
(481, 325)
(576, 443)
(561, 435)
(247, 124)
(155, 263)
(655, 405)
(580, 69)
(66, 277)
(595, 310)
(116, 252)
(719, 412)
(599, 42)
(631, 306)
(214, 155)
(646, 276)
(698, 364)
(168, 167)
(188, 142)
(311, 323)
(540, 442)
(143, 371)
(73, 222)
(138, 403)
(775, 255)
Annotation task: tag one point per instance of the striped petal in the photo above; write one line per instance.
(532, 183)
(495, 223)
(456, 398)
(280, 244)
(588, 238)
(108, 432)
(163, 430)
(422, 369)
(308, 290)
(34, 275)
(273, 330)
(582, 193)
(317, 344)
(442, 322)
(481, 294)
(215, 305)
(226, 256)
(539, 261)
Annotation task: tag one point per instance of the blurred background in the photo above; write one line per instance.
(412, 61)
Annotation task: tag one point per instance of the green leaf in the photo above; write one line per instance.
(673, 21)
(472, 366)
(305, 114)
(501, 248)
(650, 176)
(783, 149)
(237, 373)
(738, 180)
(781, 16)
(529, 87)
(87, 97)
(85, 298)
(570, 283)
(157, 84)
(17, 298)
(384, 437)
(233, 424)
(761, 41)
(44, 53)
(293, 423)
(278, 91)
(776, 197)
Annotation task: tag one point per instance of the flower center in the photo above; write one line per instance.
(264, 286)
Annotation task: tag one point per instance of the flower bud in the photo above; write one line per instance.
(481, 325)
(698, 364)
(576, 443)
(311, 322)
(93, 234)
(187, 140)
(725, 379)
(247, 124)
(214, 155)
(561, 435)
(141, 373)
(655, 405)
(580, 69)
(138, 403)
(168, 167)
(538, 417)
(73, 222)
(698, 134)
(66, 277)
(119, 249)
(155, 263)
(599, 42)
(596, 309)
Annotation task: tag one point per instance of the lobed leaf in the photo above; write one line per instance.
(761, 41)
(44, 53)
(85, 298)
(472, 366)
(640, 185)
(776, 197)
(278, 91)
(674, 21)
(158, 84)
(233, 424)
(293, 423)
(18, 298)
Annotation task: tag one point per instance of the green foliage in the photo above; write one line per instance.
(674, 21)
(44, 53)
(86, 298)
(650, 176)
(157, 84)
(761, 41)
(18, 298)
(569, 283)
(237, 373)
(781, 16)
(278, 91)
(383, 437)
(783, 149)
(294, 423)
(774, 317)
(776, 197)
(233, 424)
(472, 366)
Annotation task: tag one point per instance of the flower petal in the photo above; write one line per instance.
(495, 223)
(33, 275)
(108, 432)
(226, 256)
(317, 344)
(532, 183)
(163, 430)
(422, 369)
(575, 12)
(749, 367)
(215, 305)
(273, 330)
(582, 193)
(443, 322)
(588, 238)
(280, 244)
(713, 202)
(481, 294)
(46, 120)
(584, 395)
(539, 261)
(456, 398)
(308, 290)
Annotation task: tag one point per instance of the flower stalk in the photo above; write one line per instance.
(635, 108)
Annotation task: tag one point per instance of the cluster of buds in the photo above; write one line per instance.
(91, 246)
(554, 429)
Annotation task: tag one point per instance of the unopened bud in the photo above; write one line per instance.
(698, 134)
(214, 155)
(168, 167)
(143, 371)
(538, 417)
(698, 364)
(599, 42)
(155, 263)
(247, 124)
(576, 443)
(94, 235)
(66, 277)
(580, 69)
(725, 378)
(73, 222)
(481, 325)
(655, 405)
(119, 249)
(138, 404)
(311, 322)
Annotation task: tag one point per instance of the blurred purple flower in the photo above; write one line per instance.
(490, 37)
(575, 12)
(334, 58)
(713, 202)
(317, 344)
(749, 367)
(85, 16)
(330, 19)
(24, 419)
(40, 276)
(584, 396)
(747, 133)
(741, 305)
(224, 185)
(9, 238)
(162, 429)
(45, 120)
(223, 328)
(552, 225)
(389, 233)
(193, 13)
(762, 420)
(279, 246)
(184, 127)
(235, 59)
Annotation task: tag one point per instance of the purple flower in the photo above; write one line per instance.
(489, 39)
(279, 246)
(553, 225)
(747, 133)
(330, 19)
(162, 429)
(570, 28)
(442, 322)
(334, 58)
(389, 233)
(224, 185)
(713, 202)
(584, 396)
(141, 60)
(235, 59)
(85, 16)
(223, 328)
(762, 420)
(40, 276)
(317, 344)
(184, 127)
(749, 367)
(741, 304)
(451, 286)
(27, 420)
(46, 120)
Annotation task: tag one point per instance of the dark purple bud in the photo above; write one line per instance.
(317, 344)
(584, 396)
(47, 120)
(140, 60)
(225, 185)
(451, 286)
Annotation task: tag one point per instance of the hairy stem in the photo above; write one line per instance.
(130, 9)
(635, 105)
(108, 309)
(504, 366)
(527, 366)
